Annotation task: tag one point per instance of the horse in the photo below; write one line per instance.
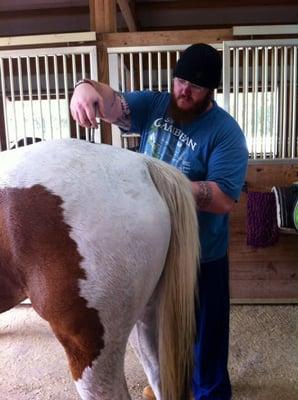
(104, 242)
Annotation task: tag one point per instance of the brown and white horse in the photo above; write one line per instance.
(104, 243)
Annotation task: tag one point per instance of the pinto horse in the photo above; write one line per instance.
(104, 243)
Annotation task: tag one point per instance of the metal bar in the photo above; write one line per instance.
(122, 72)
(159, 82)
(290, 105)
(48, 94)
(39, 96)
(83, 70)
(12, 92)
(74, 80)
(150, 70)
(169, 71)
(246, 89)
(261, 111)
(275, 103)
(21, 88)
(284, 106)
(236, 85)
(83, 65)
(267, 116)
(294, 152)
(3, 89)
(65, 80)
(74, 69)
(114, 63)
(131, 71)
(255, 102)
(29, 79)
(96, 133)
(141, 75)
(56, 78)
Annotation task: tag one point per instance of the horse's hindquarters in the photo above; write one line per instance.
(90, 246)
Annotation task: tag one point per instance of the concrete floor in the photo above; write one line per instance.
(263, 357)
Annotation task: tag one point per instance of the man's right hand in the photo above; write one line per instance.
(85, 105)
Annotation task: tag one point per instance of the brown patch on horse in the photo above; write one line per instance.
(37, 250)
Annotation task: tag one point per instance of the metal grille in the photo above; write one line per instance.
(260, 91)
(35, 89)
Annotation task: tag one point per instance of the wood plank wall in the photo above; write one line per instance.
(263, 275)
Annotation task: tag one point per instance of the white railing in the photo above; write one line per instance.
(35, 86)
(259, 88)
(260, 91)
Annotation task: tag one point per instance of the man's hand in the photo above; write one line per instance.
(95, 99)
(84, 105)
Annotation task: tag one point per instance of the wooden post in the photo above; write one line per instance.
(103, 19)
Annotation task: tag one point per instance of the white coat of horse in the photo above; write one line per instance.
(104, 242)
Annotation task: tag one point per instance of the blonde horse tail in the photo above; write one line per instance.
(176, 311)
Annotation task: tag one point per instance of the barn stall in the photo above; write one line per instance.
(47, 47)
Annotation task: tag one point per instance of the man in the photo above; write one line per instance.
(187, 129)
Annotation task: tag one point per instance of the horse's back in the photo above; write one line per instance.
(116, 220)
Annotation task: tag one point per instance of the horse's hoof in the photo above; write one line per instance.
(148, 393)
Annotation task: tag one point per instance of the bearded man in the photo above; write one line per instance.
(186, 128)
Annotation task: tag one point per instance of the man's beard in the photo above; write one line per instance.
(184, 116)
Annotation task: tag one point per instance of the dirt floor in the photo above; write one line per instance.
(263, 357)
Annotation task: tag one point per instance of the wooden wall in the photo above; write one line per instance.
(263, 275)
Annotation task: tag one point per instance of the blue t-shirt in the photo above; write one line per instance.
(212, 147)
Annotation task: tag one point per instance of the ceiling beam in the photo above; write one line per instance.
(127, 15)
(18, 5)
(195, 4)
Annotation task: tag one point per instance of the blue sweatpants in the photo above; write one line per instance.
(211, 378)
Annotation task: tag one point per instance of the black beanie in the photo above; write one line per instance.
(200, 64)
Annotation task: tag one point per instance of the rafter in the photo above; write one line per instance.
(127, 15)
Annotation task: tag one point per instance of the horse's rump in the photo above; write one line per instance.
(85, 234)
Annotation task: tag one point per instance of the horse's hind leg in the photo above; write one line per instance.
(144, 340)
(95, 359)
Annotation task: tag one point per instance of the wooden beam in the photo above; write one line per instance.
(195, 4)
(103, 18)
(103, 15)
(165, 37)
(18, 5)
(127, 15)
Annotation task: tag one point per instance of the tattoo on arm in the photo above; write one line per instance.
(203, 195)
(124, 120)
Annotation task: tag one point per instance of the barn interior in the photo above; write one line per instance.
(46, 46)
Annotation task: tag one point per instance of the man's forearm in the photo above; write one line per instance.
(210, 198)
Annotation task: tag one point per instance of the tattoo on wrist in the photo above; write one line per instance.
(203, 195)
(124, 121)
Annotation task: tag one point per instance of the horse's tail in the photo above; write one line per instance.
(176, 313)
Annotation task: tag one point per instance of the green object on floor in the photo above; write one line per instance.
(295, 215)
